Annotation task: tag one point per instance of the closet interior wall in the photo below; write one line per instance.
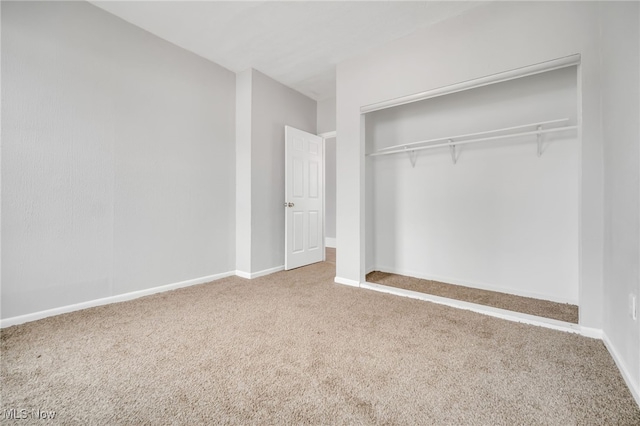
(502, 218)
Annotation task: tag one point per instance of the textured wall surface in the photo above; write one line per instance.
(117, 159)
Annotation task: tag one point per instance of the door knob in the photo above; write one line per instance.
(289, 204)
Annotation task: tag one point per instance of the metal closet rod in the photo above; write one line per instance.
(450, 141)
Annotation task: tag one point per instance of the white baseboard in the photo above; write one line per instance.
(346, 281)
(473, 284)
(252, 275)
(633, 385)
(7, 322)
(594, 333)
(488, 310)
(330, 242)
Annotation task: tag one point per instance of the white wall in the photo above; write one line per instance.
(327, 123)
(621, 134)
(273, 106)
(327, 115)
(117, 159)
(243, 171)
(502, 218)
(489, 39)
(330, 189)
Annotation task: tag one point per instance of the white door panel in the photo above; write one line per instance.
(304, 233)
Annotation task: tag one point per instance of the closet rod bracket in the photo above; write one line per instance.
(539, 137)
(413, 156)
(452, 148)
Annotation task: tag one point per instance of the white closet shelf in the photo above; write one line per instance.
(496, 134)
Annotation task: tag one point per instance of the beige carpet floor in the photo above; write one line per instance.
(295, 348)
(527, 305)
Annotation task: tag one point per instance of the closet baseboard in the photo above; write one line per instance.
(347, 281)
(474, 284)
(488, 310)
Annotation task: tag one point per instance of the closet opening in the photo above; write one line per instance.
(474, 195)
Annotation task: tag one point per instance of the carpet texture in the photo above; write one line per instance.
(526, 305)
(295, 348)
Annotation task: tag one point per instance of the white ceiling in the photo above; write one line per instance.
(295, 43)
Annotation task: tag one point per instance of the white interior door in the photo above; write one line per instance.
(304, 211)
